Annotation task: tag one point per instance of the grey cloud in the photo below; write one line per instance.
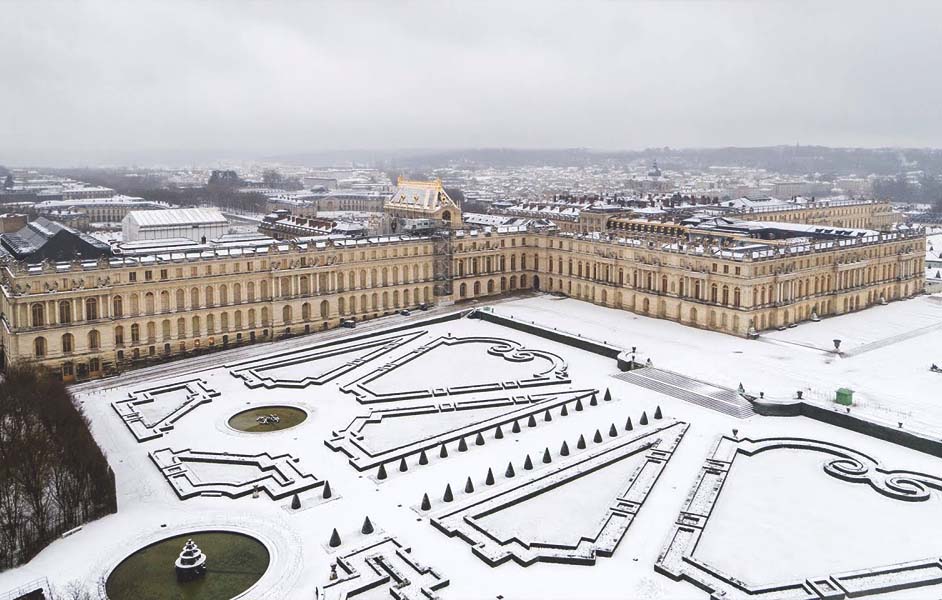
(91, 82)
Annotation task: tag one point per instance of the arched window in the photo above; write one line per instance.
(194, 298)
(91, 309)
(181, 327)
(325, 309)
(306, 311)
(68, 342)
(286, 314)
(237, 293)
(208, 294)
(119, 335)
(117, 306)
(181, 300)
(165, 301)
(135, 333)
(149, 303)
(39, 347)
(94, 340)
(250, 291)
(223, 295)
(165, 329)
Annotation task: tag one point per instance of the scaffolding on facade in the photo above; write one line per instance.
(442, 260)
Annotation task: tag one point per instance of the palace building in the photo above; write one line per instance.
(423, 200)
(88, 317)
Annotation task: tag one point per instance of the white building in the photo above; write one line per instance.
(197, 224)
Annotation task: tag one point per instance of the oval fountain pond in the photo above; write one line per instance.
(263, 419)
(234, 562)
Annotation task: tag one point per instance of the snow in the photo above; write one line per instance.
(763, 512)
(776, 504)
(889, 372)
(593, 494)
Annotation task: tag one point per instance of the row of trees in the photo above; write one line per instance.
(927, 189)
(53, 476)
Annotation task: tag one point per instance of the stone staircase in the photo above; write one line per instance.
(697, 392)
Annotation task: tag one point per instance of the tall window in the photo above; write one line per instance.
(39, 347)
(68, 343)
(65, 312)
(39, 315)
(91, 309)
(94, 339)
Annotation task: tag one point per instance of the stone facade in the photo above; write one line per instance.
(863, 214)
(90, 318)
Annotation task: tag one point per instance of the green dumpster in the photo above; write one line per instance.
(845, 396)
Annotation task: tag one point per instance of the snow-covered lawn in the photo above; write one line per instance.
(781, 517)
(891, 381)
(775, 503)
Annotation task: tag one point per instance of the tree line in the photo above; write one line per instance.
(927, 189)
(53, 475)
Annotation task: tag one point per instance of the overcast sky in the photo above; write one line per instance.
(92, 82)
